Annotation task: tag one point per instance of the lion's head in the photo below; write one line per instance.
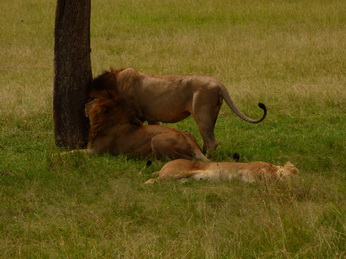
(104, 85)
(105, 113)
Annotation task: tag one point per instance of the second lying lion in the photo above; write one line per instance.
(248, 172)
(113, 130)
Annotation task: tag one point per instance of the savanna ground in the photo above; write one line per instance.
(289, 55)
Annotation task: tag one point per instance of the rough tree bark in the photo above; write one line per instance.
(72, 72)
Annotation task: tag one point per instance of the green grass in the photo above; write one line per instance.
(289, 55)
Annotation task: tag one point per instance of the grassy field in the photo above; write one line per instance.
(290, 55)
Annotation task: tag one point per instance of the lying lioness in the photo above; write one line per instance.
(248, 172)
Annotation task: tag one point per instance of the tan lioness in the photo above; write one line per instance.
(171, 99)
(248, 172)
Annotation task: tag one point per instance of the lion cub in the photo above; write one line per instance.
(248, 172)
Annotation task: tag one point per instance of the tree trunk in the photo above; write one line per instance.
(72, 72)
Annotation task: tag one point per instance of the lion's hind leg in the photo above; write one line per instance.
(205, 110)
(174, 146)
(163, 174)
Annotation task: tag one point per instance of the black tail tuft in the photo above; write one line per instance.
(149, 163)
(262, 106)
(236, 157)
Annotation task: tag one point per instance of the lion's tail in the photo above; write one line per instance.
(234, 108)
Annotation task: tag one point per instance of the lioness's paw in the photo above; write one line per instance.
(150, 181)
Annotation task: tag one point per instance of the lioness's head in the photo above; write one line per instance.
(286, 170)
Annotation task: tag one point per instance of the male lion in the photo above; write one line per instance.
(113, 130)
(248, 172)
(171, 99)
